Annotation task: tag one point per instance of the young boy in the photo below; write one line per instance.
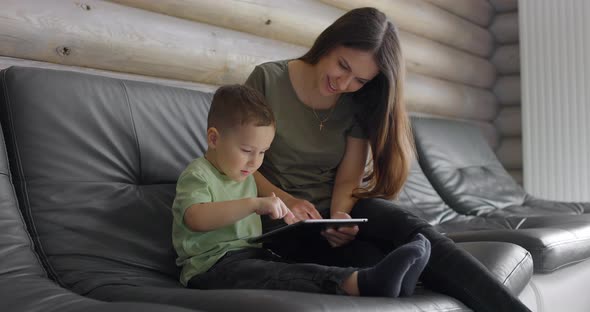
(216, 210)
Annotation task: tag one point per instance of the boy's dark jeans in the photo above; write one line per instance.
(451, 270)
(258, 268)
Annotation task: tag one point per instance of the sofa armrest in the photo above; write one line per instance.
(547, 205)
(510, 263)
(553, 241)
(36, 294)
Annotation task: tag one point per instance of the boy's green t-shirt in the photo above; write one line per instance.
(303, 160)
(201, 182)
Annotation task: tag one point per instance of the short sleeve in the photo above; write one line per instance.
(357, 131)
(191, 189)
(256, 79)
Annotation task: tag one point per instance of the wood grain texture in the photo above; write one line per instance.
(115, 38)
(438, 97)
(437, 60)
(294, 21)
(6, 62)
(423, 56)
(118, 38)
(507, 59)
(479, 12)
(425, 19)
(504, 27)
(507, 90)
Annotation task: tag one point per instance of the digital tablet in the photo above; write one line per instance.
(303, 228)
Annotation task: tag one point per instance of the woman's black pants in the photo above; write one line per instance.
(451, 270)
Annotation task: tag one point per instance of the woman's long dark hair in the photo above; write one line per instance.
(384, 118)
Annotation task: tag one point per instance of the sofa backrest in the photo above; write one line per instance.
(419, 197)
(463, 168)
(17, 256)
(95, 162)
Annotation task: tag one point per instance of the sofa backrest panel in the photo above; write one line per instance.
(17, 257)
(95, 162)
(462, 168)
(420, 197)
(170, 128)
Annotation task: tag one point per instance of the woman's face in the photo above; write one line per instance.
(345, 70)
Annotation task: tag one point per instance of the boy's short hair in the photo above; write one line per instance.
(234, 105)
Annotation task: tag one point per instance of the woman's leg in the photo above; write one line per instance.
(451, 270)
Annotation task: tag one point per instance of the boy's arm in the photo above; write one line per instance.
(210, 216)
(302, 209)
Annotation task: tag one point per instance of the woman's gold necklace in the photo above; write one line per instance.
(322, 121)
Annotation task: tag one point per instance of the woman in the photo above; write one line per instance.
(339, 101)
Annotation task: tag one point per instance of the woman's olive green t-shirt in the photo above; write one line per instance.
(303, 159)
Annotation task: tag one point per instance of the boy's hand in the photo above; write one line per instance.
(275, 208)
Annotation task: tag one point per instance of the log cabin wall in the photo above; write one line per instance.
(202, 44)
(506, 58)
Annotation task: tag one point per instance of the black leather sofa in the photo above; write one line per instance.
(88, 166)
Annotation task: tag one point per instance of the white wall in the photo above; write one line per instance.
(555, 45)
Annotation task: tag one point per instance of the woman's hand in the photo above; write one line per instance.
(302, 209)
(342, 235)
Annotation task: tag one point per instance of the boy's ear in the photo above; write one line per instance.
(212, 137)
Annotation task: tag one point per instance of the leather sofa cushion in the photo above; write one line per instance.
(16, 248)
(95, 162)
(466, 173)
(554, 242)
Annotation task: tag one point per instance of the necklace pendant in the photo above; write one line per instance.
(321, 126)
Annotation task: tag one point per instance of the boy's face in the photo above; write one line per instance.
(239, 151)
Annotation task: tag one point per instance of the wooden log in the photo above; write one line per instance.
(438, 97)
(423, 56)
(507, 90)
(443, 93)
(479, 12)
(6, 62)
(509, 152)
(113, 37)
(505, 28)
(517, 176)
(118, 38)
(509, 122)
(430, 58)
(298, 22)
(507, 59)
(425, 19)
(504, 5)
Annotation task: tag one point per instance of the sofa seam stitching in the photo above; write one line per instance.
(526, 256)
(134, 131)
(42, 259)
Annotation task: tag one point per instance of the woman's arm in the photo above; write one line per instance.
(349, 175)
(210, 216)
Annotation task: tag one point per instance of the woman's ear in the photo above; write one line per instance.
(212, 137)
